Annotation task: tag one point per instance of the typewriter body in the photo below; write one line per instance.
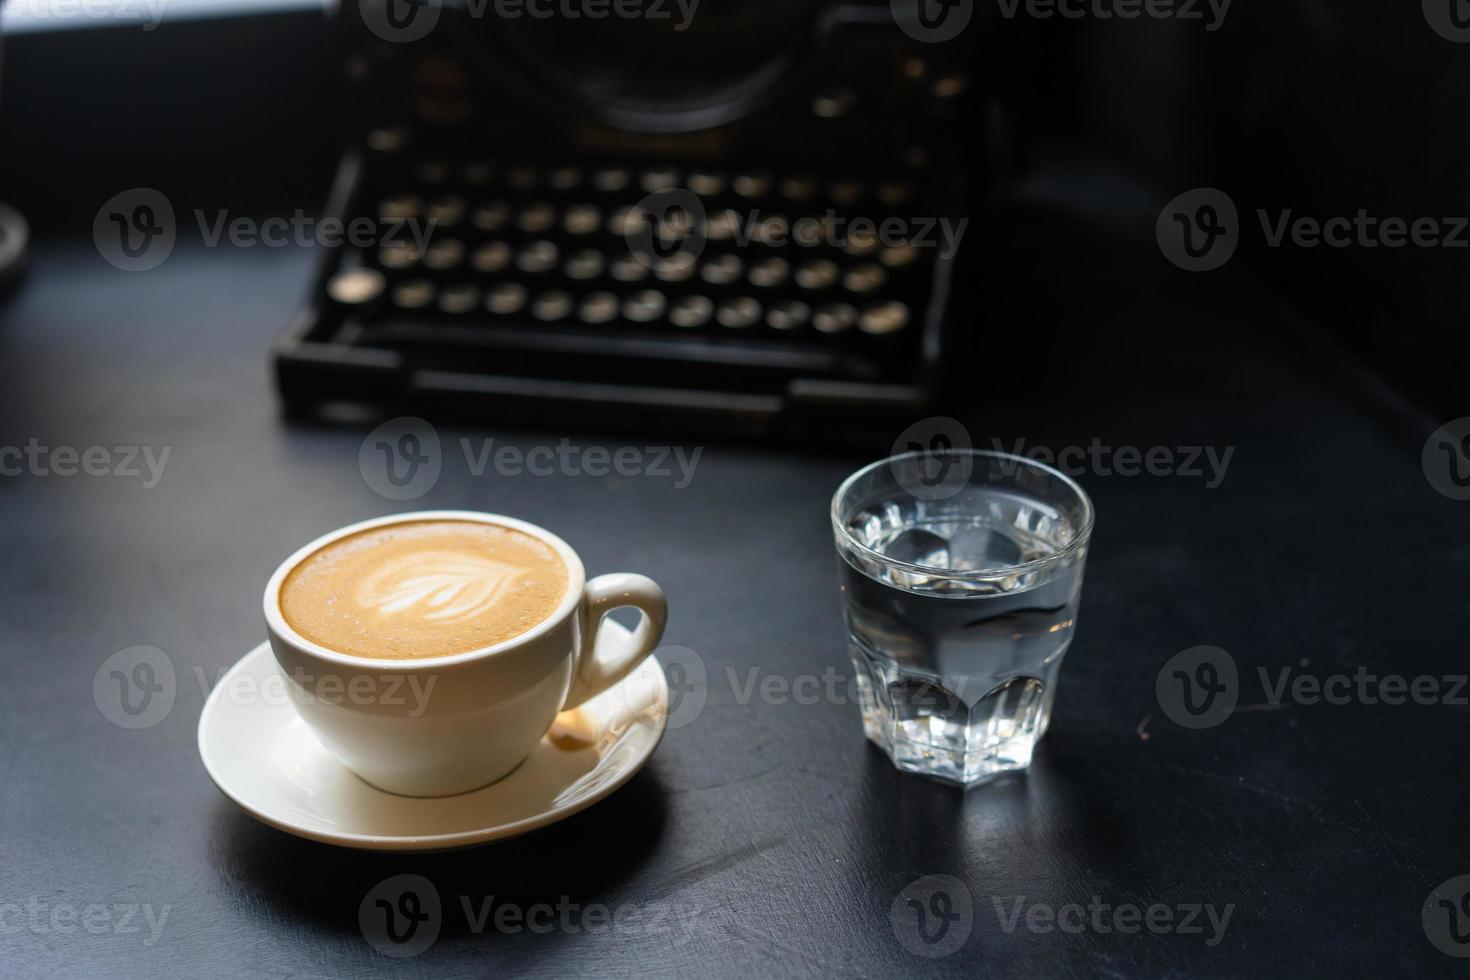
(745, 225)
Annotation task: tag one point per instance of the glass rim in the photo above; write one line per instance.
(1079, 538)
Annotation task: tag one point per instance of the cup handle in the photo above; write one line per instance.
(605, 593)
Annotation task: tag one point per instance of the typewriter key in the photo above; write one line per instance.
(398, 255)
(894, 192)
(446, 210)
(624, 221)
(848, 190)
(387, 140)
(769, 272)
(861, 243)
(678, 267)
(644, 306)
(721, 225)
(599, 308)
(522, 178)
(462, 297)
(691, 311)
(490, 257)
(834, 317)
(864, 278)
(721, 270)
(536, 218)
(477, 174)
(554, 304)
(582, 219)
(656, 179)
(538, 257)
(610, 179)
(564, 178)
(738, 313)
(628, 268)
(506, 298)
(433, 171)
(492, 216)
(788, 314)
(881, 318)
(706, 183)
(413, 294)
(834, 102)
(817, 274)
(898, 256)
(400, 207)
(444, 253)
(948, 87)
(799, 188)
(773, 229)
(584, 264)
(755, 184)
(356, 286)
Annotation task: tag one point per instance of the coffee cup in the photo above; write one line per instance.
(393, 698)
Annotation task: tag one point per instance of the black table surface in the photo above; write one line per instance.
(765, 835)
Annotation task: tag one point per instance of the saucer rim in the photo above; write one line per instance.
(434, 842)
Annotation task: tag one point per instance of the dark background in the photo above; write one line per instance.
(783, 834)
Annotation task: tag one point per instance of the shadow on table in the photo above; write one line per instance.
(1040, 816)
(580, 860)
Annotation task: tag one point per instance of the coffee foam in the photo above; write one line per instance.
(424, 589)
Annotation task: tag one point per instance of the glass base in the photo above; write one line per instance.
(926, 728)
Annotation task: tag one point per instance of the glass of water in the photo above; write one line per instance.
(960, 575)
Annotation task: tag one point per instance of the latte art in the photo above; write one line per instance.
(442, 586)
(424, 589)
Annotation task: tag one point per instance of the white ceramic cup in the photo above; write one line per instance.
(485, 710)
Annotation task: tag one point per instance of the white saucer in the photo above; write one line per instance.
(261, 755)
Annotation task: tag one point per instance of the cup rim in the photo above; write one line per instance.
(276, 620)
(1079, 540)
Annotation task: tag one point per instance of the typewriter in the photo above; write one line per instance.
(746, 224)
